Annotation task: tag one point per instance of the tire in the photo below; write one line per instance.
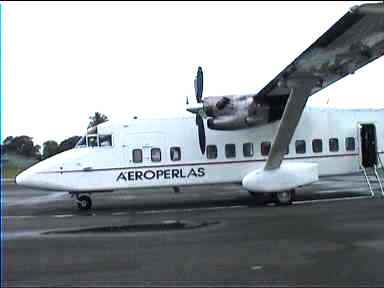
(261, 198)
(284, 198)
(84, 202)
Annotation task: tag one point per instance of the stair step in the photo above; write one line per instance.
(373, 177)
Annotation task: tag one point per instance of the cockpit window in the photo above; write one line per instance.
(95, 141)
(92, 130)
(82, 142)
(105, 140)
(92, 141)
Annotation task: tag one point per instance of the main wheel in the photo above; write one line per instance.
(261, 198)
(84, 202)
(284, 198)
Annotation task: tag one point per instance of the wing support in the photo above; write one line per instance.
(300, 90)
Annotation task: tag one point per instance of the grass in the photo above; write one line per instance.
(15, 164)
(11, 172)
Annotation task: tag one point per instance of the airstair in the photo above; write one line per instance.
(374, 175)
(381, 169)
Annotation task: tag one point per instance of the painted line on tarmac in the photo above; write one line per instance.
(191, 209)
(330, 200)
(119, 213)
(185, 210)
(18, 216)
(63, 216)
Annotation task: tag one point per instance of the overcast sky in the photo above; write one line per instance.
(64, 61)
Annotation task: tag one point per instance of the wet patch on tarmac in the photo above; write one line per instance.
(169, 225)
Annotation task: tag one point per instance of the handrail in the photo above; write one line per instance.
(381, 163)
(368, 181)
(379, 180)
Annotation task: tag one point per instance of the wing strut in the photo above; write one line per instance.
(300, 90)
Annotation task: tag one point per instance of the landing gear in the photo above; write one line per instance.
(284, 198)
(261, 198)
(84, 202)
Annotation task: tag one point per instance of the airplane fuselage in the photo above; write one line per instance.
(165, 152)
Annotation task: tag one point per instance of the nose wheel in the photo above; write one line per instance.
(84, 202)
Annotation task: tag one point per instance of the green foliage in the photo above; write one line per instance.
(96, 119)
(50, 148)
(22, 145)
(11, 172)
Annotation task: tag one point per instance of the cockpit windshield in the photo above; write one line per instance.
(92, 141)
(95, 140)
(81, 143)
(105, 140)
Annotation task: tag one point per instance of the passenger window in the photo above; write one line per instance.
(350, 144)
(300, 147)
(211, 151)
(137, 155)
(317, 145)
(156, 154)
(333, 144)
(105, 140)
(230, 150)
(248, 149)
(92, 141)
(265, 148)
(175, 153)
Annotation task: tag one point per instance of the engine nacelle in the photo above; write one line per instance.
(237, 112)
(238, 121)
(288, 176)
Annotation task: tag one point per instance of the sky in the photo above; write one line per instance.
(63, 61)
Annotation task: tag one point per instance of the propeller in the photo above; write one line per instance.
(198, 110)
(199, 85)
(201, 132)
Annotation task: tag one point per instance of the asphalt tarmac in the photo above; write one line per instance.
(213, 235)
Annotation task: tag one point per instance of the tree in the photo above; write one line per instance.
(36, 151)
(50, 148)
(22, 145)
(68, 143)
(96, 119)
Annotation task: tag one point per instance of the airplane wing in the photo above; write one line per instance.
(352, 42)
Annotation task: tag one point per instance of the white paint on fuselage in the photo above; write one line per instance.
(65, 170)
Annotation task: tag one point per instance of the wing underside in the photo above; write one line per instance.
(352, 42)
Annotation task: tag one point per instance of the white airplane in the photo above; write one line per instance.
(268, 142)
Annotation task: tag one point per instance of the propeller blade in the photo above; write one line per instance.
(199, 85)
(201, 132)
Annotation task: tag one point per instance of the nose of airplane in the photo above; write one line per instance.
(41, 176)
(33, 178)
(25, 178)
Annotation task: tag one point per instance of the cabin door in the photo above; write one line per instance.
(368, 145)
